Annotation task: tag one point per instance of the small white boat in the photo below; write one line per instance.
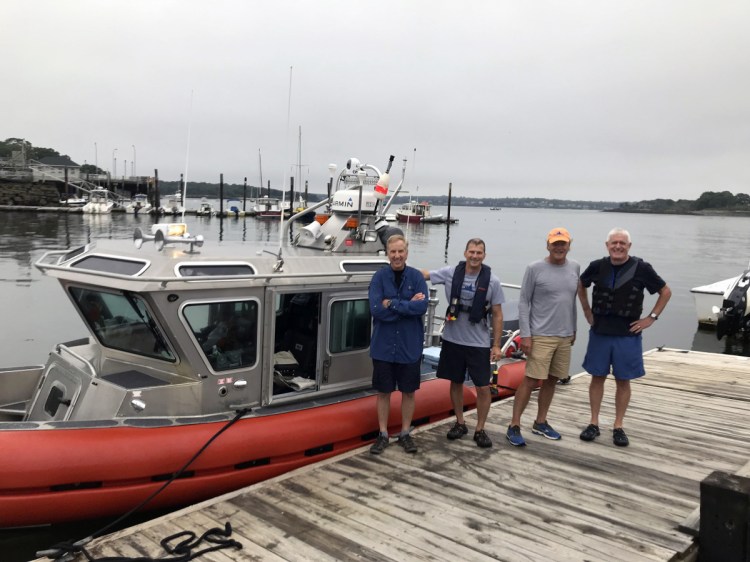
(724, 304)
(74, 201)
(234, 208)
(708, 300)
(139, 205)
(99, 202)
(205, 209)
(174, 205)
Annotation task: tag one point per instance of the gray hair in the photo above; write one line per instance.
(616, 231)
(396, 238)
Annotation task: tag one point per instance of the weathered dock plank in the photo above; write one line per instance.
(565, 500)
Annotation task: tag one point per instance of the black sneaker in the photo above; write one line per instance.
(590, 433)
(380, 444)
(407, 443)
(483, 440)
(619, 438)
(457, 431)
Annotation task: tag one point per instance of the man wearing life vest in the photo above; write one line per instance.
(475, 299)
(615, 338)
(398, 301)
(547, 322)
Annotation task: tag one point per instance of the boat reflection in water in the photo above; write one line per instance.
(267, 352)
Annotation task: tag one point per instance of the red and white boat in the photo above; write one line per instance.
(413, 212)
(212, 368)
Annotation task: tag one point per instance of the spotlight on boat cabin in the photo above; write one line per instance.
(328, 240)
(370, 236)
(139, 238)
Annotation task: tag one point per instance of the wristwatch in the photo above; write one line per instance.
(653, 316)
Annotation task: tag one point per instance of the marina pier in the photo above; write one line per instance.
(564, 500)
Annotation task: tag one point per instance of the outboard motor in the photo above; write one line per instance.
(733, 315)
(387, 232)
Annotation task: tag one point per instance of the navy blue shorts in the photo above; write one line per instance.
(456, 360)
(624, 354)
(387, 376)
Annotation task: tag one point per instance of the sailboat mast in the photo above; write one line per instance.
(299, 161)
(260, 169)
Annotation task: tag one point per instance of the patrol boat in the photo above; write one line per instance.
(206, 367)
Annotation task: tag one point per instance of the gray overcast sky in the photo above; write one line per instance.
(572, 99)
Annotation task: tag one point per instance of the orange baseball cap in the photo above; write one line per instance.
(557, 234)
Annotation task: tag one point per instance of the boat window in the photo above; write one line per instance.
(351, 267)
(226, 331)
(216, 270)
(73, 253)
(122, 321)
(350, 325)
(111, 265)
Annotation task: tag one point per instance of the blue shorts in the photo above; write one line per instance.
(624, 354)
(387, 376)
(456, 360)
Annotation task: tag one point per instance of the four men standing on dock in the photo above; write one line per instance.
(547, 321)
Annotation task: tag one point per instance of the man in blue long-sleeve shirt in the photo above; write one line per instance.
(397, 303)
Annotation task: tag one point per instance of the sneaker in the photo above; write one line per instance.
(380, 444)
(566, 380)
(482, 439)
(407, 443)
(515, 437)
(545, 429)
(619, 438)
(590, 433)
(457, 431)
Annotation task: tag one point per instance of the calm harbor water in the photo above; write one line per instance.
(686, 251)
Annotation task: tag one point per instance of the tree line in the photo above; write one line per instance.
(708, 201)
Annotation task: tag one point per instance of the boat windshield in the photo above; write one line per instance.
(226, 331)
(121, 321)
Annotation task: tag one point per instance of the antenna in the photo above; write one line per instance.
(187, 157)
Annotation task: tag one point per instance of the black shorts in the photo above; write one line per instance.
(387, 376)
(457, 359)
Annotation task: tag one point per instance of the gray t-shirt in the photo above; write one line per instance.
(547, 305)
(461, 330)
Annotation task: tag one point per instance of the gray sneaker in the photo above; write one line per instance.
(407, 443)
(380, 444)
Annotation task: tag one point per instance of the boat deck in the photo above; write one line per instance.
(565, 500)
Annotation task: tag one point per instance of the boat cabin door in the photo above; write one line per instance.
(321, 341)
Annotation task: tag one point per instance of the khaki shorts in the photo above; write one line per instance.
(550, 356)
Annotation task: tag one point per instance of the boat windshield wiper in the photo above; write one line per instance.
(146, 319)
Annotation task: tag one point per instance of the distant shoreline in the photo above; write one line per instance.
(702, 213)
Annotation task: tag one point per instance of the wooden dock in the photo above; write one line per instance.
(565, 500)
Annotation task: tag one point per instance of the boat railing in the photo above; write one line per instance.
(60, 348)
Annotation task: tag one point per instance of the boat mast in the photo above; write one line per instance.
(260, 169)
(183, 187)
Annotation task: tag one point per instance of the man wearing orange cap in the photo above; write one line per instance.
(547, 321)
